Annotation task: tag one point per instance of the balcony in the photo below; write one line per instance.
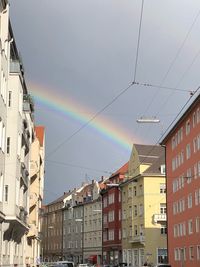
(15, 66)
(159, 218)
(33, 232)
(33, 199)
(2, 215)
(28, 104)
(137, 239)
(33, 168)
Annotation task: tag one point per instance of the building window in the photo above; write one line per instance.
(8, 145)
(111, 198)
(130, 231)
(162, 188)
(105, 202)
(124, 215)
(189, 201)
(162, 255)
(119, 196)
(105, 234)
(140, 190)
(191, 253)
(141, 209)
(9, 98)
(129, 192)
(111, 216)
(187, 127)
(197, 196)
(198, 252)
(194, 119)
(190, 227)
(189, 175)
(195, 171)
(119, 215)
(163, 208)
(124, 233)
(135, 191)
(120, 234)
(198, 115)
(135, 230)
(135, 210)
(197, 224)
(130, 211)
(188, 151)
(163, 230)
(6, 193)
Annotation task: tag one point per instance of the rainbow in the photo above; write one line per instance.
(47, 97)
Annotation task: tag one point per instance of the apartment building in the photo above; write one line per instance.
(4, 67)
(92, 230)
(33, 246)
(82, 225)
(111, 199)
(19, 136)
(52, 229)
(73, 233)
(183, 188)
(143, 197)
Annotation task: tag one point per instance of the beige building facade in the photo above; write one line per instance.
(33, 248)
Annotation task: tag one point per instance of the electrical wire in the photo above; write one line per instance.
(138, 42)
(162, 87)
(90, 120)
(77, 166)
(114, 99)
(173, 61)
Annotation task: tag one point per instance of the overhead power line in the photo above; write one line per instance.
(174, 60)
(90, 120)
(77, 166)
(138, 41)
(114, 99)
(163, 87)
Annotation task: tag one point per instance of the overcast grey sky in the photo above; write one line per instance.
(85, 50)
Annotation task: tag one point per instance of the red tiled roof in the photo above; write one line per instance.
(40, 134)
(122, 170)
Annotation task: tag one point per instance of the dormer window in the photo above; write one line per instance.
(162, 169)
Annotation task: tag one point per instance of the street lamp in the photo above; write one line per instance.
(148, 120)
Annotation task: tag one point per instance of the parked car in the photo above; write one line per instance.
(64, 264)
(84, 265)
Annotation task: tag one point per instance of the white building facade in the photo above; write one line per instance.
(4, 72)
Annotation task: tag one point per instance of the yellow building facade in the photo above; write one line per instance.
(144, 237)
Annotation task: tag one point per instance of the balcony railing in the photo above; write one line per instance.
(159, 217)
(137, 239)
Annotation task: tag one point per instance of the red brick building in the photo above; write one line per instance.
(111, 211)
(183, 188)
